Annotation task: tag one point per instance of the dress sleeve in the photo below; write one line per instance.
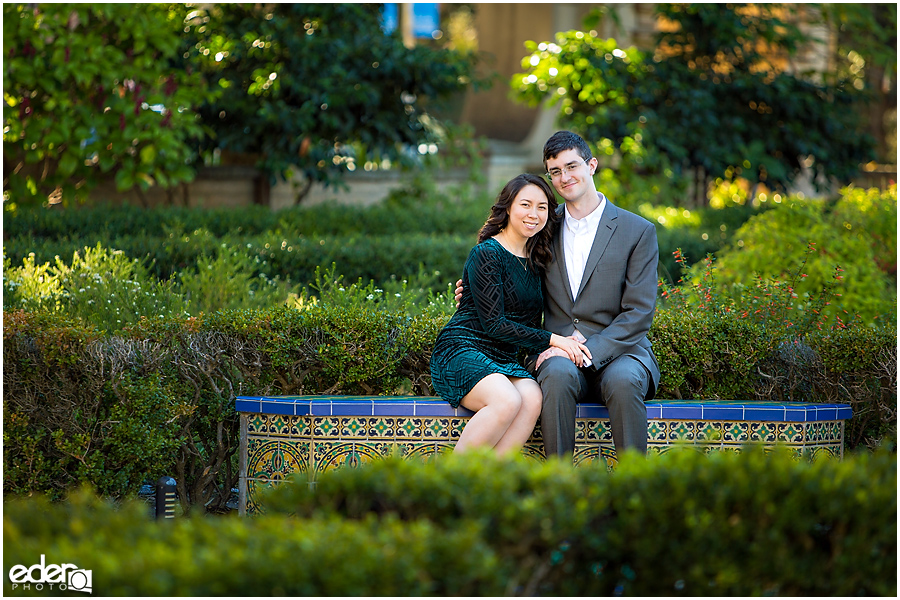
(485, 275)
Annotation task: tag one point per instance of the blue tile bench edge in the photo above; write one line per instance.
(422, 406)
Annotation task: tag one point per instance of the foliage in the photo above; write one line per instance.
(89, 92)
(760, 346)
(438, 229)
(228, 281)
(338, 101)
(717, 70)
(67, 384)
(88, 411)
(744, 524)
(131, 556)
(866, 55)
(727, 524)
(53, 364)
(855, 243)
(104, 288)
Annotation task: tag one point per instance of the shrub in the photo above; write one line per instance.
(856, 234)
(130, 556)
(101, 287)
(683, 523)
(760, 347)
(229, 281)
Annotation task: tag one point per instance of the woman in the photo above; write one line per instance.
(474, 360)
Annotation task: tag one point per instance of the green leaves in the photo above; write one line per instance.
(709, 98)
(340, 92)
(96, 90)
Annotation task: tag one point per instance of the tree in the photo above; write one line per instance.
(89, 92)
(318, 87)
(866, 55)
(713, 100)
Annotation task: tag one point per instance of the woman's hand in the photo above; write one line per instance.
(576, 351)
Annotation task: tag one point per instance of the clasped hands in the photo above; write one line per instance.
(571, 347)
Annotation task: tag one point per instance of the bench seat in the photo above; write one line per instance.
(285, 435)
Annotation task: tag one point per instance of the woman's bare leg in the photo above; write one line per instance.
(523, 425)
(496, 402)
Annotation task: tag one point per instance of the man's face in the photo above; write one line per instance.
(571, 174)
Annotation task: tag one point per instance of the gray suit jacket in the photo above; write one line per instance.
(615, 305)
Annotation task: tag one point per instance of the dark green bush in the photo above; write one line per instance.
(681, 524)
(72, 394)
(684, 523)
(291, 258)
(410, 229)
(266, 556)
(164, 388)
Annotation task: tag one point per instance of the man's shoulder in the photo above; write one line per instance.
(627, 216)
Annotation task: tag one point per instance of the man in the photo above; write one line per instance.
(599, 289)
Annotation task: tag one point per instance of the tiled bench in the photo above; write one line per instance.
(284, 435)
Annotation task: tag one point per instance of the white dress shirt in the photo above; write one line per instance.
(578, 237)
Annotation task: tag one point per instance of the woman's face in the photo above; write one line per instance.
(528, 212)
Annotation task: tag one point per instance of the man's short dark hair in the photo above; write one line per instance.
(566, 140)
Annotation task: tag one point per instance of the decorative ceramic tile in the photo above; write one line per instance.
(598, 430)
(737, 431)
(299, 427)
(277, 460)
(791, 433)
(580, 430)
(457, 424)
(584, 454)
(353, 427)
(537, 436)
(257, 423)
(834, 431)
(534, 452)
(409, 428)
(680, 430)
(335, 455)
(381, 428)
(422, 450)
(436, 428)
(709, 431)
(329, 427)
(656, 431)
(310, 436)
(762, 432)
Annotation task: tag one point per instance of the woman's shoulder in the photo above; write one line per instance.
(487, 249)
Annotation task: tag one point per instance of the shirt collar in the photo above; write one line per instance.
(591, 220)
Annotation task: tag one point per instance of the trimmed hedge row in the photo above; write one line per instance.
(681, 524)
(119, 410)
(376, 242)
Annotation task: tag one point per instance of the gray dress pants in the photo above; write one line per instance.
(621, 385)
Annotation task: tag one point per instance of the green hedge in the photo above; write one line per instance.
(158, 398)
(681, 524)
(377, 242)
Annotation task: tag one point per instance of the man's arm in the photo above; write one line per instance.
(638, 304)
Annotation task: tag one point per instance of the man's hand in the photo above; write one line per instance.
(459, 290)
(553, 351)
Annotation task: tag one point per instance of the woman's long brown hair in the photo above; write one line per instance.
(539, 246)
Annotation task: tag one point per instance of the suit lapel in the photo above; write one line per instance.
(605, 230)
(559, 255)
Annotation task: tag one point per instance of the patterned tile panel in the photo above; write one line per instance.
(314, 435)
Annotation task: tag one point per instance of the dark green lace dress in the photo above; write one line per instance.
(500, 311)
